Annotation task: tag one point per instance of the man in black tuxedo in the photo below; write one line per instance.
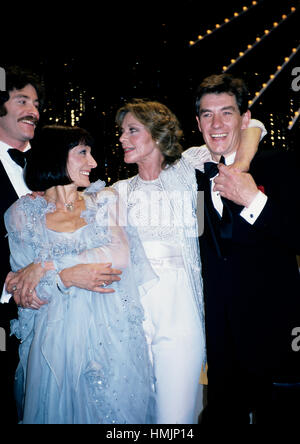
(19, 115)
(251, 279)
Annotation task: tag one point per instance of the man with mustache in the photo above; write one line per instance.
(19, 115)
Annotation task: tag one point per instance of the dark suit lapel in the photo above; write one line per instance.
(9, 195)
(259, 170)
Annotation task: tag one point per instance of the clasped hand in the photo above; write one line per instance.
(237, 186)
(22, 284)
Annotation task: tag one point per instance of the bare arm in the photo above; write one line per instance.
(250, 138)
(89, 276)
(22, 284)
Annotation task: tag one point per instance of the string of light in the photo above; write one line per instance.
(258, 40)
(273, 76)
(294, 119)
(226, 21)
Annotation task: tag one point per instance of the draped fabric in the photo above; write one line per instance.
(164, 212)
(178, 188)
(83, 355)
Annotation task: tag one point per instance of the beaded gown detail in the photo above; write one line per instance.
(83, 355)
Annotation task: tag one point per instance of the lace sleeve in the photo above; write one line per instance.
(125, 248)
(117, 250)
(254, 123)
(25, 224)
(197, 156)
(21, 243)
(102, 213)
(24, 221)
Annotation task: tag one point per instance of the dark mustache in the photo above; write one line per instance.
(30, 118)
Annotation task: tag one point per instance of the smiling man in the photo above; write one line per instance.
(221, 123)
(250, 274)
(18, 123)
(19, 115)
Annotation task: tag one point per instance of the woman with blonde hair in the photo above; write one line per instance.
(162, 203)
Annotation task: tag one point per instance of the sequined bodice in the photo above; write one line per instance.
(165, 213)
(151, 211)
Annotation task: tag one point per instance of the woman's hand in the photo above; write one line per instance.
(91, 276)
(22, 284)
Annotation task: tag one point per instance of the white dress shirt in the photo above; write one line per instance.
(13, 170)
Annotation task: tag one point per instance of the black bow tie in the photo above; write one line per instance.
(211, 168)
(18, 156)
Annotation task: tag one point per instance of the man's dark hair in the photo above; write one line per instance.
(47, 161)
(224, 83)
(17, 78)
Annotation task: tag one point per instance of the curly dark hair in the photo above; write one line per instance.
(162, 124)
(224, 83)
(18, 78)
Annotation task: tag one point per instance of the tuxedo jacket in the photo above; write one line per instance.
(9, 357)
(251, 281)
(8, 197)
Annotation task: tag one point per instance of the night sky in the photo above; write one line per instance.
(117, 50)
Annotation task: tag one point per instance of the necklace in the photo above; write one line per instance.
(70, 206)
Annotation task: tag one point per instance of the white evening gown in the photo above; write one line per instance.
(173, 308)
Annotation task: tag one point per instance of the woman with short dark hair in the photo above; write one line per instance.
(47, 161)
(83, 355)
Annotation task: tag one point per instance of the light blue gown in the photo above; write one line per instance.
(83, 355)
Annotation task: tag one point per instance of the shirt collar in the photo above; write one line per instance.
(229, 160)
(4, 147)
